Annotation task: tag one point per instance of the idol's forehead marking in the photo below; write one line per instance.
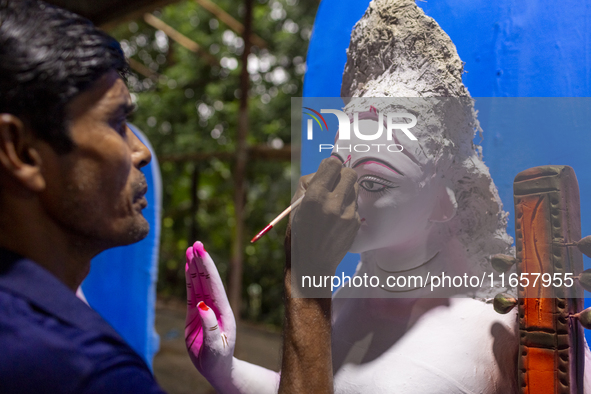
(405, 151)
(375, 160)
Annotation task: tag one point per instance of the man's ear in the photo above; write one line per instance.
(445, 207)
(18, 158)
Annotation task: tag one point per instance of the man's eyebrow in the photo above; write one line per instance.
(126, 109)
(378, 162)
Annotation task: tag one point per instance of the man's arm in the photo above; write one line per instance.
(307, 357)
(320, 234)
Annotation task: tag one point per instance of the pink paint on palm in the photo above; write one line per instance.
(199, 249)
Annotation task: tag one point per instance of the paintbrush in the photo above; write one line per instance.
(283, 214)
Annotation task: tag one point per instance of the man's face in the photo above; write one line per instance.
(95, 192)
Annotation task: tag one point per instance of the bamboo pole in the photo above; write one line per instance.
(237, 257)
(229, 21)
(194, 229)
(180, 38)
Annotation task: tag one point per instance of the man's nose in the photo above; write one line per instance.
(140, 154)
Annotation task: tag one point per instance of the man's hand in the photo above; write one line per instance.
(325, 224)
(210, 332)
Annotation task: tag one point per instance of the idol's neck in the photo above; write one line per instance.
(414, 255)
(439, 252)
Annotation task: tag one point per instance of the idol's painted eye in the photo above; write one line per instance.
(374, 184)
(371, 186)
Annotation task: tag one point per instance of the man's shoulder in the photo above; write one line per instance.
(40, 351)
(35, 308)
(52, 342)
(23, 325)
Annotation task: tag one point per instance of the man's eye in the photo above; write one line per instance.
(123, 128)
(120, 126)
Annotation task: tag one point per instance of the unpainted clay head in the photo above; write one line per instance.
(396, 51)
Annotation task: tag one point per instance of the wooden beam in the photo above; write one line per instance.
(260, 152)
(229, 21)
(142, 69)
(180, 38)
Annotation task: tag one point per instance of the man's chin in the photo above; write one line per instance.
(141, 231)
(138, 231)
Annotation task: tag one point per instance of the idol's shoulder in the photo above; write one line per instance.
(458, 345)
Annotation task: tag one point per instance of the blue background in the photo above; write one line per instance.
(525, 49)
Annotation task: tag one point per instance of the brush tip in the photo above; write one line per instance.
(261, 233)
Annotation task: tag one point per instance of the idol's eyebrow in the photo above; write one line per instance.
(338, 157)
(378, 161)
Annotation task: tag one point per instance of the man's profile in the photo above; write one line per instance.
(70, 187)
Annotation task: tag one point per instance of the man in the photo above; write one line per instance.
(71, 187)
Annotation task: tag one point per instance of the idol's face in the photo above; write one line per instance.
(396, 193)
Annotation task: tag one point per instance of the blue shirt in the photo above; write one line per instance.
(52, 342)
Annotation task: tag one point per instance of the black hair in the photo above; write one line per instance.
(47, 56)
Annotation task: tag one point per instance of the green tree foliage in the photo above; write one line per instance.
(191, 107)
